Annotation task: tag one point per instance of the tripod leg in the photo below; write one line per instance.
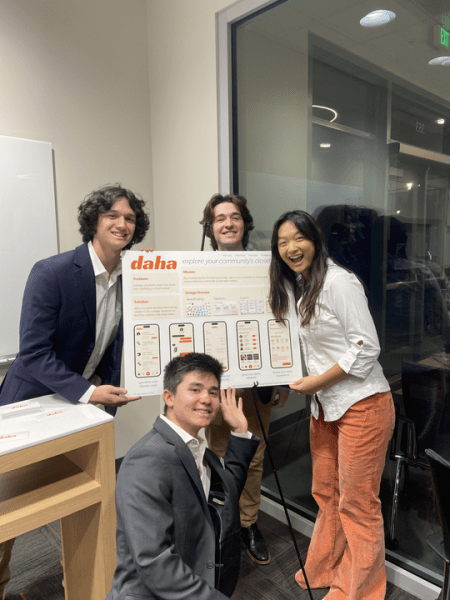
(255, 397)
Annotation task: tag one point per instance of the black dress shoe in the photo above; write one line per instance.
(255, 544)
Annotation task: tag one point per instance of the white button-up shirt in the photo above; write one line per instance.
(108, 295)
(341, 320)
(198, 446)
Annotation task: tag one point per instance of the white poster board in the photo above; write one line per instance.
(213, 302)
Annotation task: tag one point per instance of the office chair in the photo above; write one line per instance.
(440, 541)
(423, 398)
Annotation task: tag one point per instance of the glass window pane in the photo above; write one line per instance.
(353, 126)
(339, 97)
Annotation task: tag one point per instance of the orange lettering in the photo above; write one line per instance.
(149, 264)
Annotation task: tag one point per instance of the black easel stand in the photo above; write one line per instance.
(255, 397)
(206, 226)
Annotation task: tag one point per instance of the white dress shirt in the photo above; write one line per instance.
(108, 295)
(341, 320)
(198, 446)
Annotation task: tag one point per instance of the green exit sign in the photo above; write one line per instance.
(441, 38)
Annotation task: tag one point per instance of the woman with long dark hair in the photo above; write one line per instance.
(352, 414)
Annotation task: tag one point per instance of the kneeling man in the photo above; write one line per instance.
(178, 528)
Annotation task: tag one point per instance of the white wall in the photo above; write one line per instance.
(75, 73)
(183, 100)
(125, 90)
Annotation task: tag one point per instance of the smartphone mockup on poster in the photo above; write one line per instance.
(216, 343)
(249, 347)
(279, 344)
(181, 339)
(147, 355)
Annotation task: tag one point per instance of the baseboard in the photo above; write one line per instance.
(414, 585)
(275, 510)
(401, 578)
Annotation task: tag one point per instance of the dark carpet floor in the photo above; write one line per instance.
(276, 580)
(37, 571)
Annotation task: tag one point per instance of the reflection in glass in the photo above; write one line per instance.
(353, 125)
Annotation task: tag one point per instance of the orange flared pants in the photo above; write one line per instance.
(346, 552)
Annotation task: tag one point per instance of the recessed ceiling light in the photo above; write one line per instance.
(331, 110)
(377, 18)
(325, 145)
(409, 185)
(440, 60)
(440, 121)
(397, 211)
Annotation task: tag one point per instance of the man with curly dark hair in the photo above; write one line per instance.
(101, 201)
(71, 324)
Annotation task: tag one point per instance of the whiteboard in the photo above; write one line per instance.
(28, 227)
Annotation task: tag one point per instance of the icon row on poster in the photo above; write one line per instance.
(222, 308)
(215, 342)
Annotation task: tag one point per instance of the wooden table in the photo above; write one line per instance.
(71, 478)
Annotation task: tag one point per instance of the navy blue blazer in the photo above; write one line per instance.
(173, 542)
(57, 332)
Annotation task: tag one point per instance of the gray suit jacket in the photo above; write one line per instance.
(170, 543)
